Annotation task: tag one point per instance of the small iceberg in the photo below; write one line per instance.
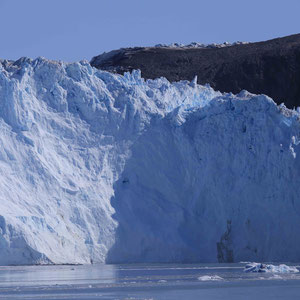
(264, 268)
(210, 278)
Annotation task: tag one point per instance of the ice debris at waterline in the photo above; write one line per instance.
(200, 45)
(265, 268)
(100, 167)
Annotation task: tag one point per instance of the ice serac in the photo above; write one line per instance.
(101, 167)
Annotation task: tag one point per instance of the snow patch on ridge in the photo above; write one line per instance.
(199, 45)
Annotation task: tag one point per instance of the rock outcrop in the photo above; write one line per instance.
(271, 67)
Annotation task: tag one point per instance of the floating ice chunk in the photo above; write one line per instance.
(282, 269)
(264, 268)
(210, 278)
(255, 267)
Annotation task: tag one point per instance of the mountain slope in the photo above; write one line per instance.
(270, 67)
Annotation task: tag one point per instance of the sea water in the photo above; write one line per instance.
(147, 281)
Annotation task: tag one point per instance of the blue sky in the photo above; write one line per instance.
(72, 30)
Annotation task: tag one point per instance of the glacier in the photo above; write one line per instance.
(100, 167)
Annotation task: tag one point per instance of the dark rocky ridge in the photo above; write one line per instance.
(271, 67)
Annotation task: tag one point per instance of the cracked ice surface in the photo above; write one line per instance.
(96, 166)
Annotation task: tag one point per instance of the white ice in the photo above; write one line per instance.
(100, 167)
(210, 278)
(268, 268)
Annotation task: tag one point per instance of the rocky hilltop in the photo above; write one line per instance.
(270, 67)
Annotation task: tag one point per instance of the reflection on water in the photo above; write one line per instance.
(56, 275)
(161, 281)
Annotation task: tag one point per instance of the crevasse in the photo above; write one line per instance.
(99, 167)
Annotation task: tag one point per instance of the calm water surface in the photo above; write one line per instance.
(197, 281)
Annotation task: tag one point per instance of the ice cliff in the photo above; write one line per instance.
(100, 167)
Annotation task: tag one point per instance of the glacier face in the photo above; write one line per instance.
(101, 167)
